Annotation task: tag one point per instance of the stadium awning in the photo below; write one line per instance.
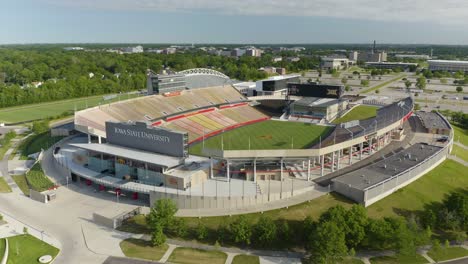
(133, 154)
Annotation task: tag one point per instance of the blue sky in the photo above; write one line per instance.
(234, 21)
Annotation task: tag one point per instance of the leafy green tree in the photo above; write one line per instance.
(365, 83)
(459, 89)
(356, 223)
(408, 84)
(328, 244)
(240, 230)
(157, 236)
(344, 80)
(284, 231)
(265, 231)
(421, 83)
(162, 214)
(202, 231)
(40, 127)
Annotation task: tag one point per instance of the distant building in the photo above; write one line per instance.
(272, 70)
(353, 55)
(372, 56)
(413, 56)
(253, 52)
(277, 59)
(73, 48)
(334, 63)
(245, 88)
(137, 49)
(293, 59)
(448, 65)
(237, 52)
(170, 50)
(391, 65)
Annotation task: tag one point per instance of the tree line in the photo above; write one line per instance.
(73, 74)
(338, 232)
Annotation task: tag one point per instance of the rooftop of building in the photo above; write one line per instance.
(315, 101)
(386, 168)
(448, 61)
(432, 120)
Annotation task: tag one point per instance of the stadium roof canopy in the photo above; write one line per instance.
(128, 153)
(202, 77)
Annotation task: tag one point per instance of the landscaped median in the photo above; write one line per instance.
(184, 255)
(4, 188)
(35, 179)
(246, 259)
(416, 259)
(383, 84)
(138, 248)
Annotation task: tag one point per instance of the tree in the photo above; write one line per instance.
(377, 91)
(162, 214)
(408, 84)
(459, 89)
(202, 231)
(365, 83)
(356, 222)
(283, 231)
(421, 83)
(240, 230)
(265, 231)
(40, 127)
(328, 244)
(344, 80)
(157, 235)
(347, 88)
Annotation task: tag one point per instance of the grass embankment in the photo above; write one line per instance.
(383, 84)
(460, 152)
(416, 259)
(51, 109)
(265, 135)
(26, 249)
(36, 143)
(359, 112)
(22, 183)
(137, 248)
(447, 253)
(461, 135)
(432, 187)
(194, 256)
(4, 188)
(37, 180)
(349, 260)
(245, 259)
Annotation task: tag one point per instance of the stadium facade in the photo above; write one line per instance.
(140, 147)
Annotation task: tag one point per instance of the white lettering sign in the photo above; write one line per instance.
(141, 134)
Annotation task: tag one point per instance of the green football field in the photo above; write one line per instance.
(359, 112)
(51, 109)
(265, 135)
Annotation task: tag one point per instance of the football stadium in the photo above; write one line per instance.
(198, 139)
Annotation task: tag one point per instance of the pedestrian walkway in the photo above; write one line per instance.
(460, 145)
(6, 175)
(459, 160)
(168, 253)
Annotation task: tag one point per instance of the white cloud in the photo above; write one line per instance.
(436, 11)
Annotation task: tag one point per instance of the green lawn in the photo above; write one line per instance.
(22, 183)
(52, 109)
(416, 259)
(461, 135)
(195, 256)
(4, 188)
(265, 135)
(137, 248)
(448, 253)
(37, 180)
(246, 259)
(26, 249)
(35, 143)
(3, 149)
(359, 112)
(432, 187)
(460, 152)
